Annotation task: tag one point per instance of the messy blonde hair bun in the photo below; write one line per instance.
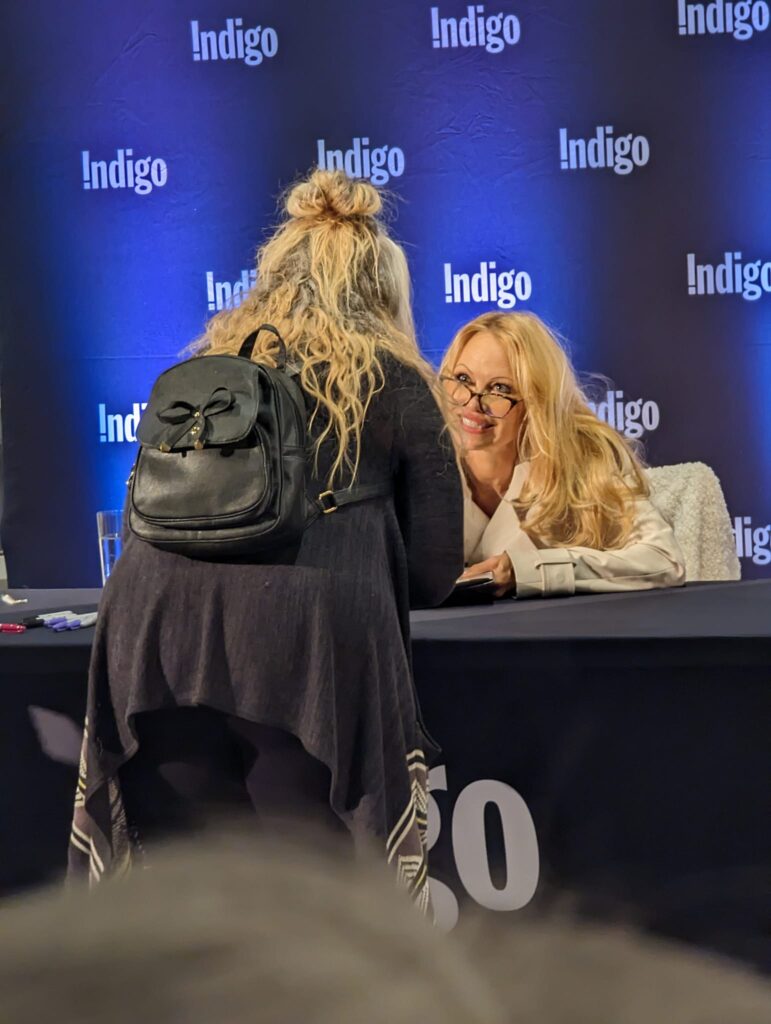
(337, 288)
(333, 194)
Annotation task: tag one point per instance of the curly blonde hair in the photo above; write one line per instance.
(584, 476)
(337, 288)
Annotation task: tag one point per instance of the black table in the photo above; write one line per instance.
(632, 730)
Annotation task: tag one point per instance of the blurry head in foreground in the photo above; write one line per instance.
(225, 934)
(230, 933)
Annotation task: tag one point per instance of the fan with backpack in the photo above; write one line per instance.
(222, 472)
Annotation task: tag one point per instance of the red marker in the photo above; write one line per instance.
(12, 627)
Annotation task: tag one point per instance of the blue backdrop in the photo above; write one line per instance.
(606, 165)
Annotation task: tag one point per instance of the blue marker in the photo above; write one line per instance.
(81, 623)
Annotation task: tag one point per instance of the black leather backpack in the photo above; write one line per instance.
(222, 470)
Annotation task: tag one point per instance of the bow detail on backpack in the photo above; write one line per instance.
(194, 419)
(255, 505)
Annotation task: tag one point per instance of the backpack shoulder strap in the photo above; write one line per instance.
(247, 345)
(330, 501)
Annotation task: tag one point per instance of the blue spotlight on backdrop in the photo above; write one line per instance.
(597, 163)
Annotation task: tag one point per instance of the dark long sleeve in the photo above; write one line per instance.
(429, 499)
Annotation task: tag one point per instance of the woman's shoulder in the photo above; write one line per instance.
(405, 404)
(401, 379)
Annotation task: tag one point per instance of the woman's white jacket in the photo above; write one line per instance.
(652, 557)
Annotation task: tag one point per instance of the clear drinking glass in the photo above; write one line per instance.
(108, 524)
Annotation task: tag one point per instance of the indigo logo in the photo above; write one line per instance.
(753, 543)
(224, 295)
(234, 42)
(733, 276)
(741, 19)
(379, 164)
(490, 32)
(631, 417)
(620, 154)
(124, 172)
(503, 287)
(115, 428)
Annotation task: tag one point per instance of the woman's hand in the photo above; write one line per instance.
(501, 568)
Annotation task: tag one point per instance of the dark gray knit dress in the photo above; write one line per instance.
(319, 648)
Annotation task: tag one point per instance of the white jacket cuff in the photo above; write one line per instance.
(542, 572)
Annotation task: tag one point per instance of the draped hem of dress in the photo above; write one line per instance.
(319, 648)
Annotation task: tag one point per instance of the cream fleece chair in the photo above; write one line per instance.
(690, 497)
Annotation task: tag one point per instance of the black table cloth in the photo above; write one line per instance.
(632, 730)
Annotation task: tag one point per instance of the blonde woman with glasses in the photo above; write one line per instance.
(285, 689)
(556, 501)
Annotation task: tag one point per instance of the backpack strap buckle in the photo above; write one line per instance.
(330, 501)
(327, 503)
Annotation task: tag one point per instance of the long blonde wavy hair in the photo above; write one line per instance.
(337, 288)
(584, 476)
